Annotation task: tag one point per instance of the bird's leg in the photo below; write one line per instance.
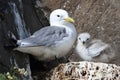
(62, 60)
(66, 59)
(58, 60)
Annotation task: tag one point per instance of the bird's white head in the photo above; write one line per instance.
(60, 16)
(83, 38)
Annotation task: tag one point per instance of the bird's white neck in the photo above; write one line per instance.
(57, 23)
(83, 52)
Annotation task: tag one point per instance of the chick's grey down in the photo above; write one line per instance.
(52, 41)
(94, 49)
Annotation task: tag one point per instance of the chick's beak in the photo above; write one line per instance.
(83, 42)
(69, 19)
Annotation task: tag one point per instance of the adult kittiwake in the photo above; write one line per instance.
(93, 50)
(52, 41)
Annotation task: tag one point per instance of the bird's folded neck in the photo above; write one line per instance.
(58, 23)
(83, 52)
(81, 44)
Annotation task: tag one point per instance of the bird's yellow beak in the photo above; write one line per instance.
(69, 19)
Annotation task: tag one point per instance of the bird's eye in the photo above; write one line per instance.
(58, 15)
(79, 38)
(87, 39)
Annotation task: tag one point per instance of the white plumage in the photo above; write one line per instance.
(53, 41)
(93, 50)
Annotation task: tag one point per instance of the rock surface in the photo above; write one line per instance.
(20, 18)
(86, 71)
(101, 18)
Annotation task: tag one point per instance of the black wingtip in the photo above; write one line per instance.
(12, 41)
(12, 37)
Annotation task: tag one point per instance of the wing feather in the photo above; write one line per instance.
(44, 37)
(96, 48)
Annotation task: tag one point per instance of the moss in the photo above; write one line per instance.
(12, 74)
(8, 77)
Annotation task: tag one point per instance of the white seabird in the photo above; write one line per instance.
(93, 50)
(52, 41)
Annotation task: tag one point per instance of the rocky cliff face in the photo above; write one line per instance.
(20, 19)
(101, 18)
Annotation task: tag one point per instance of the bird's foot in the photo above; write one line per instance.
(62, 60)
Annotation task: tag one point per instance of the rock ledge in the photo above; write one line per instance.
(86, 71)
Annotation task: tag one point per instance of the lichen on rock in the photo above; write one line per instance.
(86, 71)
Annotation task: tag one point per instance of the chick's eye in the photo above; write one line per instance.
(58, 15)
(87, 38)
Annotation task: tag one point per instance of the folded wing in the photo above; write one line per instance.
(44, 37)
(96, 47)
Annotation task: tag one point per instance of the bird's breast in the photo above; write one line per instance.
(64, 46)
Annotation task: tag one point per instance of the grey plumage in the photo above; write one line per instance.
(52, 41)
(94, 50)
(48, 36)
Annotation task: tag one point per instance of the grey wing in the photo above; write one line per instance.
(96, 48)
(91, 42)
(44, 37)
(49, 30)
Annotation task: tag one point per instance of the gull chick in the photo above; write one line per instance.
(93, 50)
(52, 41)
